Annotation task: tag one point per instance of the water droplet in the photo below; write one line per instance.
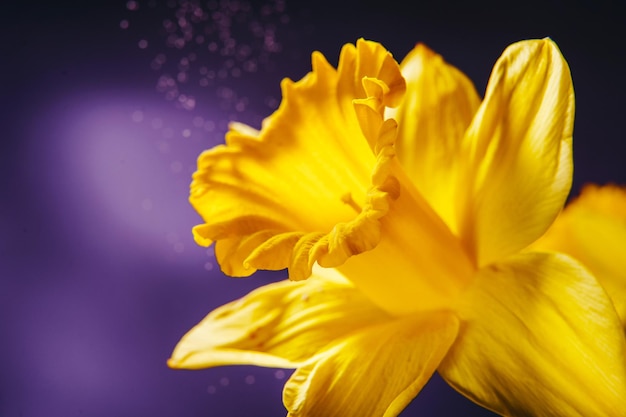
(209, 126)
(224, 381)
(225, 93)
(271, 102)
(179, 43)
(211, 389)
(132, 5)
(250, 379)
(163, 146)
(176, 166)
(156, 123)
(187, 102)
(279, 374)
(208, 266)
(198, 121)
(137, 116)
(222, 74)
(214, 40)
(250, 66)
(171, 95)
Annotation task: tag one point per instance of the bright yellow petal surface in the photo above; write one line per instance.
(437, 108)
(278, 325)
(540, 337)
(375, 371)
(410, 268)
(308, 170)
(592, 229)
(518, 152)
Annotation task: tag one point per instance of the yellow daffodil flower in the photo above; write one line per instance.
(592, 229)
(402, 207)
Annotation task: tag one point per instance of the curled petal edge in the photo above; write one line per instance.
(263, 244)
(358, 235)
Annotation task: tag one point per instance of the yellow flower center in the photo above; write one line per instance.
(418, 263)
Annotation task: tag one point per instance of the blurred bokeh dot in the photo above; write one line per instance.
(163, 146)
(198, 121)
(132, 5)
(157, 123)
(137, 116)
(176, 166)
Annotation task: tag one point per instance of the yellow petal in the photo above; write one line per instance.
(292, 178)
(540, 338)
(592, 229)
(232, 252)
(518, 151)
(409, 270)
(375, 371)
(437, 108)
(278, 325)
(368, 61)
(417, 265)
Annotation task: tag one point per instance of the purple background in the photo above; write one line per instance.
(99, 276)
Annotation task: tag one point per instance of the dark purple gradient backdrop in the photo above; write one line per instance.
(99, 276)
